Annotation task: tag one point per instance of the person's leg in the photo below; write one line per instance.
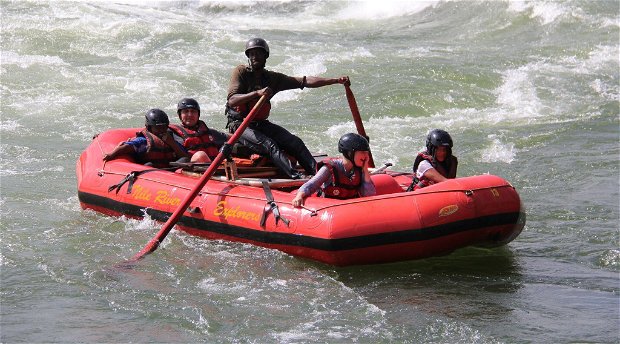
(200, 157)
(262, 144)
(291, 144)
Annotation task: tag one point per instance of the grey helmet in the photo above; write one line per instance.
(257, 43)
(187, 103)
(156, 117)
(436, 138)
(351, 143)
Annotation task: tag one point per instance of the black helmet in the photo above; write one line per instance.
(436, 138)
(257, 43)
(156, 117)
(352, 143)
(187, 103)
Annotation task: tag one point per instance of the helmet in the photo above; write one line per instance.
(156, 117)
(257, 43)
(187, 103)
(352, 143)
(436, 138)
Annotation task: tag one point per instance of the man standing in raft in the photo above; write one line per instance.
(435, 164)
(344, 178)
(202, 142)
(247, 85)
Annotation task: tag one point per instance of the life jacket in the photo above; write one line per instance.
(157, 151)
(446, 169)
(341, 186)
(239, 112)
(197, 140)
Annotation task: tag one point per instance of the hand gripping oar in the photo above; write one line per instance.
(154, 243)
(357, 118)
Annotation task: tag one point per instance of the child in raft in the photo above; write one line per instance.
(154, 146)
(342, 178)
(436, 163)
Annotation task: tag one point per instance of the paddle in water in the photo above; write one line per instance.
(163, 232)
(357, 118)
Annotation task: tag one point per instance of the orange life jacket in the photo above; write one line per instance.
(197, 140)
(341, 187)
(157, 151)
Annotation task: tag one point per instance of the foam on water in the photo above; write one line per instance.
(498, 151)
(371, 9)
(517, 96)
(8, 126)
(26, 61)
(545, 11)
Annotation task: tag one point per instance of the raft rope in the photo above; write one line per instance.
(132, 176)
(272, 206)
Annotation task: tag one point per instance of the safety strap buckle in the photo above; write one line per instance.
(131, 178)
(273, 207)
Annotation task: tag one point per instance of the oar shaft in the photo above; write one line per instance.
(355, 111)
(359, 125)
(163, 232)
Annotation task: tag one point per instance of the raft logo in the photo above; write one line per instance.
(448, 210)
(141, 193)
(235, 213)
(163, 197)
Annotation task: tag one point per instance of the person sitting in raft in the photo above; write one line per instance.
(347, 177)
(153, 146)
(202, 142)
(436, 163)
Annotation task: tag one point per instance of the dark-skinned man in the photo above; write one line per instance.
(248, 84)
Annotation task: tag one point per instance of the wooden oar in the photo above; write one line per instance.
(357, 118)
(154, 243)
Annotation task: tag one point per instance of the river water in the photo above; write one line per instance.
(528, 90)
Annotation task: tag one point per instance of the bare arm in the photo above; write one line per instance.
(368, 187)
(316, 81)
(176, 147)
(435, 176)
(121, 149)
(242, 98)
(311, 186)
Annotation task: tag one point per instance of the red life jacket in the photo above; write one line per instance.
(197, 140)
(157, 151)
(341, 187)
(446, 169)
(244, 109)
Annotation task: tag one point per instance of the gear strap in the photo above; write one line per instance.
(272, 206)
(414, 182)
(132, 176)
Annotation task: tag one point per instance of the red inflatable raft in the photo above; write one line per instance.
(251, 206)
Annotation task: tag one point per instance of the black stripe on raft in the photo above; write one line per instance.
(289, 239)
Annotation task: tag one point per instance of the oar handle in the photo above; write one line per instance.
(359, 125)
(163, 232)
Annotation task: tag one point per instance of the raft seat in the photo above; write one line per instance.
(385, 184)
